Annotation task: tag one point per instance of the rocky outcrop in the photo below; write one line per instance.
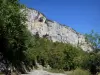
(37, 22)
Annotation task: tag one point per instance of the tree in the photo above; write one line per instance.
(12, 32)
(93, 59)
(94, 39)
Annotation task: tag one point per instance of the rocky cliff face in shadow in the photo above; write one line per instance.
(38, 23)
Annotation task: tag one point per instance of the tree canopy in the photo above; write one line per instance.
(94, 39)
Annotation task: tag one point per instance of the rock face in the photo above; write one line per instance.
(38, 23)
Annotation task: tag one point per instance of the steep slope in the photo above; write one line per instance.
(38, 23)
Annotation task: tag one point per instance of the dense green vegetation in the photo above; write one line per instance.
(93, 58)
(12, 33)
(57, 55)
(21, 49)
(79, 72)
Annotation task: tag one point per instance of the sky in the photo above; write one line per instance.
(81, 15)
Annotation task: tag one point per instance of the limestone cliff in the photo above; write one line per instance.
(37, 22)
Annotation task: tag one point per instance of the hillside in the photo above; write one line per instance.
(29, 41)
(38, 23)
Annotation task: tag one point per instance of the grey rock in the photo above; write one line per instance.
(37, 22)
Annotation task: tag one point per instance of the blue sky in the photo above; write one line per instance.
(81, 15)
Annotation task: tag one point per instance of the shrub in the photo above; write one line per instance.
(80, 72)
(92, 62)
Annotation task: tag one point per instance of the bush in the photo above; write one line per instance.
(80, 72)
(57, 55)
(92, 62)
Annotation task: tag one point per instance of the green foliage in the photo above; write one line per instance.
(57, 55)
(19, 46)
(72, 57)
(92, 62)
(12, 31)
(62, 56)
(80, 72)
(94, 39)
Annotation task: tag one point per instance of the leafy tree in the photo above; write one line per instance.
(56, 56)
(92, 61)
(94, 39)
(72, 57)
(12, 31)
